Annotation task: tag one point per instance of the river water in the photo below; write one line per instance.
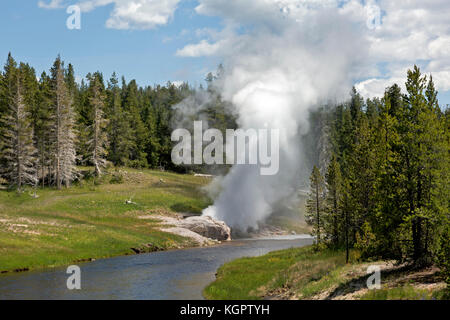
(173, 275)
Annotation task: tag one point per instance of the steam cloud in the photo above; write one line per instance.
(275, 72)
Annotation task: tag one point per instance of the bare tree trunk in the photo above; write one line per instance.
(96, 128)
(335, 220)
(346, 239)
(19, 162)
(417, 239)
(418, 252)
(318, 214)
(42, 164)
(58, 137)
(20, 150)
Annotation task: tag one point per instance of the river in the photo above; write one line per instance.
(172, 275)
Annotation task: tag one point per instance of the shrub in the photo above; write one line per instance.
(443, 253)
(116, 178)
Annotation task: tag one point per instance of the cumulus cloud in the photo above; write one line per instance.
(411, 32)
(128, 14)
(406, 33)
(203, 48)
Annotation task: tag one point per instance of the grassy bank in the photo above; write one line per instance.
(303, 273)
(93, 221)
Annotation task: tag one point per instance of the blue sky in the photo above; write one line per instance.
(36, 36)
(182, 40)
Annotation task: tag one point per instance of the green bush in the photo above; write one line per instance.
(116, 178)
(367, 243)
(443, 253)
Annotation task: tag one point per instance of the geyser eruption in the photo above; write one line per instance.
(285, 64)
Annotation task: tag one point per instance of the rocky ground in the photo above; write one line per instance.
(202, 230)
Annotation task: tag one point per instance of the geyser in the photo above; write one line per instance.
(262, 142)
(278, 69)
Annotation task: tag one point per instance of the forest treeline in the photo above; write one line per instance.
(384, 186)
(380, 184)
(50, 124)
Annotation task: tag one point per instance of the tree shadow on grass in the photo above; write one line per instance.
(359, 283)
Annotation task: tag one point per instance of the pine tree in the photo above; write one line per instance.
(393, 156)
(119, 130)
(315, 203)
(333, 201)
(83, 122)
(71, 84)
(433, 155)
(388, 212)
(363, 172)
(421, 153)
(153, 145)
(132, 108)
(18, 147)
(97, 130)
(2, 115)
(412, 134)
(6, 96)
(347, 209)
(42, 122)
(63, 129)
(356, 105)
(395, 97)
(431, 96)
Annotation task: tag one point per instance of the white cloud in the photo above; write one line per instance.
(53, 4)
(203, 48)
(375, 87)
(128, 14)
(411, 32)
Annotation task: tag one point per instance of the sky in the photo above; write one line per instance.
(155, 41)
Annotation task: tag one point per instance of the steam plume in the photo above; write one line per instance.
(274, 74)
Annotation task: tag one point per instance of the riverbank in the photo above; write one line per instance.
(172, 274)
(303, 273)
(91, 221)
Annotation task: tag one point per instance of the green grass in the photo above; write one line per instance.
(92, 221)
(253, 278)
(305, 273)
(404, 293)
